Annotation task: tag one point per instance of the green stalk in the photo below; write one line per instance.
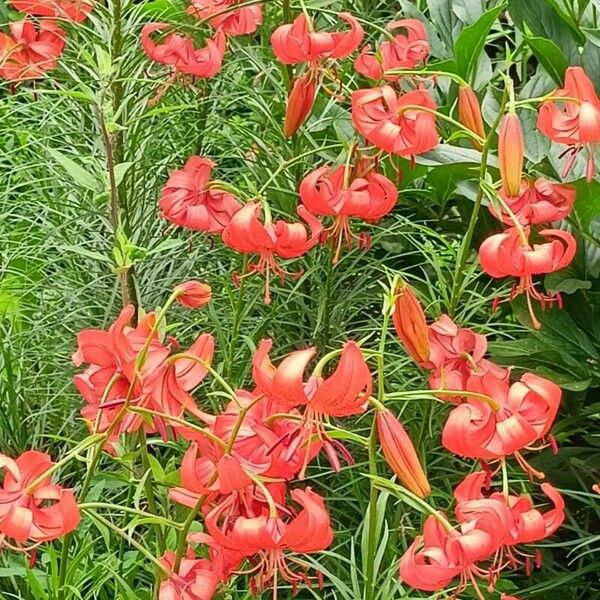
(370, 582)
(182, 542)
(327, 307)
(149, 489)
(237, 319)
(465, 247)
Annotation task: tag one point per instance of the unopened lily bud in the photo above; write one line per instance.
(410, 324)
(400, 453)
(300, 103)
(193, 294)
(510, 154)
(469, 113)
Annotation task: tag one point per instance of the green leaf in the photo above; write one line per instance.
(121, 170)
(550, 57)
(470, 42)
(545, 21)
(77, 173)
(445, 154)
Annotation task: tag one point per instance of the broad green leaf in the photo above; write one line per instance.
(445, 154)
(545, 21)
(76, 172)
(550, 56)
(470, 42)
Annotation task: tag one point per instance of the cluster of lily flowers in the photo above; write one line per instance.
(33, 45)
(493, 420)
(528, 246)
(243, 464)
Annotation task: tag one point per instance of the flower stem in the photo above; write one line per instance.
(149, 488)
(237, 319)
(370, 582)
(468, 237)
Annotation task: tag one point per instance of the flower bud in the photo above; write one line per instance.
(193, 294)
(469, 113)
(300, 103)
(510, 154)
(400, 453)
(410, 324)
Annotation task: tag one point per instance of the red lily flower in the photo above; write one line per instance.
(527, 409)
(345, 392)
(298, 42)
(206, 470)
(538, 201)
(190, 200)
(572, 117)
(72, 10)
(197, 578)
(180, 53)
(349, 191)
(109, 381)
(395, 123)
(441, 553)
(220, 14)
(403, 51)
(27, 53)
(457, 355)
(245, 233)
(509, 254)
(262, 440)
(267, 539)
(528, 524)
(31, 507)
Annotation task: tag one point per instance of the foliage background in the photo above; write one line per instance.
(57, 265)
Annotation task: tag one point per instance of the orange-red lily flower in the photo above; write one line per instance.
(403, 51)
(528, 524)
(345, 392)
(223, 15)
(442, 553)
(180, 53)
(162, 383)
(410, 325)
(298, 42)
(71, 10)
(538, 201)
(29, 51)
(246, 234)
(469, 113)
(350, 191)
(267, 539)
(456, 356)
(190, 200)
(394, 123)
(197, 578)
(526, 411)
(400, 453)
(511, 147)
(31, 507)
(510, 254)
(572, 118)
